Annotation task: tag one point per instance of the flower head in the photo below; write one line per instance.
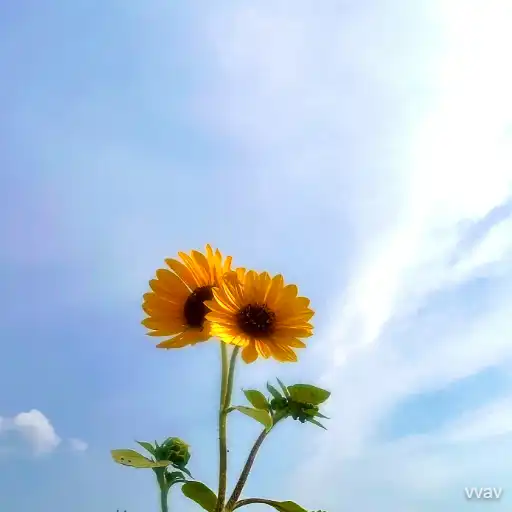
(176, 303)
(261, 315)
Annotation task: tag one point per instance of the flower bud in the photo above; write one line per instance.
(301, 411)
(278, 404)
(175, 450)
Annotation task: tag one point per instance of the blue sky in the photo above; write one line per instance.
(363, 149)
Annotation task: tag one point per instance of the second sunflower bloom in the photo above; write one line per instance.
(261, 315)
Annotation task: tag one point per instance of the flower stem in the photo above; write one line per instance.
(231, 378)
(227, 378)
(221, 494)
(245, 471)
(164, 491)
(163, 501)
(249, 501)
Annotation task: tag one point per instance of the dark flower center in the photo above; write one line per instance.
(195, 310)
(256, 320)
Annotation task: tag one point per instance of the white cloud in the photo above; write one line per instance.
(36, 428)
(78, 445)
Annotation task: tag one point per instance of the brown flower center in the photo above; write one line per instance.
(256, 320)
(195, 310)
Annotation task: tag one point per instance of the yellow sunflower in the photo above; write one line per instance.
(176, 303)
(261, 315)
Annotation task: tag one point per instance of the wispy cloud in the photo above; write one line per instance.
(78, 445)
(429, 264)
(428, 303)
(492, 420)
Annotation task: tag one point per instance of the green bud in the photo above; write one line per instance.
(175, 450)
(302, 411)
(278, 404)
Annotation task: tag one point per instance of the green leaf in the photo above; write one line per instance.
(184, 469)
(290, 506)
(174, 477)
(201, 494)
(317, 423)
(273, 391)
(307, 394)
(320, 415)
(257, 414)
(147, 446)
(284, 388)
(257, 399)
(136, 460)
(285, 506)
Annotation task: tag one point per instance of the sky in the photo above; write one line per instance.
(363, 149)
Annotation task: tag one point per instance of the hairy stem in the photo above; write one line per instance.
(227, 378)
(246, 470)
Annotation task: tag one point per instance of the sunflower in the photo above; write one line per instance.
(261, 315)
(176, 303)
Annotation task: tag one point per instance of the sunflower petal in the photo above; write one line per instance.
(283, 354)
(225, 301)
(162, 308)
(249, 353)
(274, 290)
(295, 332)
(288, 294)
(182, 272)
(163, 291)
(152, 323)
(164, 331)
(263, 349)
(201, 262)
(292, 342)
(221, 318)
(190, 337)
(227, 264)
(171, 282)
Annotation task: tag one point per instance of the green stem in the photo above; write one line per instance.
(246, 470)
(221, 494)
(163, 501)
(231, 377)
(226, 389)
(164, 491)
(249, 501)
(242, 480)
